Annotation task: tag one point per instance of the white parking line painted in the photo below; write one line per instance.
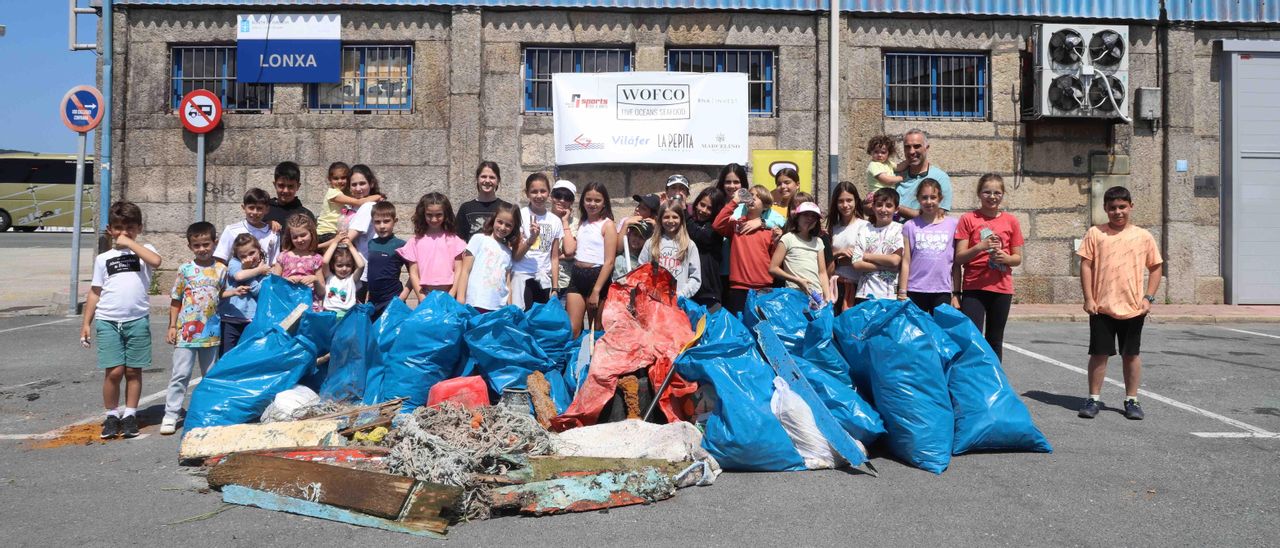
(1268, 335)
(93, 418)
(64, 320)
(1151, 395)
(1234, 435)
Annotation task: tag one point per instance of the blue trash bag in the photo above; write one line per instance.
(243, 383)
(318, 327)
(819, 347)
(855, 350)
(354, 349)
(425, 351)
(785, 308)
(741, 431)
(854, 414)
(989, 414)
(385, 331)
(693, 310)
(549, 325)
(573, 377)
(910, 384)
(277, 297)
(505, 354)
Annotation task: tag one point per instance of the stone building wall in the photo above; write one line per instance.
(467, 107)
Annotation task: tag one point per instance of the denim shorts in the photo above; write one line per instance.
(123, 343)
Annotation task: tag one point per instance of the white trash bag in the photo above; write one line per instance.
(797, 420)
(288, 402)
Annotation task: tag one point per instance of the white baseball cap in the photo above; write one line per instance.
(566, 185)
(677, 179)
(808, 207)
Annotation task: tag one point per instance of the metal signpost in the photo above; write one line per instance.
(81, 110)
(200, 112)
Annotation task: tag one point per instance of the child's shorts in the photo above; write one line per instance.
(583, 281)
(123, 343)
(1105, 332)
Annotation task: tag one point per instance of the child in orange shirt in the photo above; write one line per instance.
(1113, 257)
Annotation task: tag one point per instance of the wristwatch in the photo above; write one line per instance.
(1150, 299)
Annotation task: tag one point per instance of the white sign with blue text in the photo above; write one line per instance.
(289, 49)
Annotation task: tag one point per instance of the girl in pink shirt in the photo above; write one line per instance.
(435, 252)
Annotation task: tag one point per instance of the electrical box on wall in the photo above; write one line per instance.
(1079, 71)
(1148, 104)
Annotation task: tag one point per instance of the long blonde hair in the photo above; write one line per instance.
(675, 205)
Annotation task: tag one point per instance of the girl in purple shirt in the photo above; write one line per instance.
(929, 276)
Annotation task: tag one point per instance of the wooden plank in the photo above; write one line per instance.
(384, 407)
(426, 503)
(586, 493)
(553, 467)
(327, 455)
(221, 440)
(785, 367)
(236, 494)
(372, 493)
(293, 317)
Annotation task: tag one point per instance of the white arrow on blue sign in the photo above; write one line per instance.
(81, 108)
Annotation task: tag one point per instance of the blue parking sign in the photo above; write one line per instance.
(82, 108)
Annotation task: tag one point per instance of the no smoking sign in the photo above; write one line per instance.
(201, 111)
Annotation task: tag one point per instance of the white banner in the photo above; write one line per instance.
(650, 118)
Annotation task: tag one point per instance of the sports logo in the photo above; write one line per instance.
(578, 101)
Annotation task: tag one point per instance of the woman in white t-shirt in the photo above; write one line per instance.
(844, 220)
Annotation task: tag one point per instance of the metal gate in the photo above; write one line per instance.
(1251, 171)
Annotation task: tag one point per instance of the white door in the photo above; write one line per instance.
(1254, 153)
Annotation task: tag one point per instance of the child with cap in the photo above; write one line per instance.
(677, 187)
(563, 193)
(797, 259)
(636, 236)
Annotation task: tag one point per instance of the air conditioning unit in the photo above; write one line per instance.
(1079, 71)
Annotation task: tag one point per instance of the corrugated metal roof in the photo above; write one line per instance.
(1215, 11)
(761, 5)
(1083, 9)
(1224, 11)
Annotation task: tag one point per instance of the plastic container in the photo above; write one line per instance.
(470, 392)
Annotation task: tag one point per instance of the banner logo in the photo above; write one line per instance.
(578, 101)
(679, 141)
(653, 102)
(582, 142)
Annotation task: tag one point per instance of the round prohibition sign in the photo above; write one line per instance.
(82, 109)
(200, 111)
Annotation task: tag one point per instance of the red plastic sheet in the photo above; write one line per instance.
(644, 328)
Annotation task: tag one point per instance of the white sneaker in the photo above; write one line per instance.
(168, 426)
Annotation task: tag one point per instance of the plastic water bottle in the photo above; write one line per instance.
(815, 299)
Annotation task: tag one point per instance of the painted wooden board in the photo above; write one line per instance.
(222, 440)
(785, 367)
(236, 494)
(381, 495)
(586, 493)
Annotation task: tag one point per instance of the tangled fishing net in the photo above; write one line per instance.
(450, 444)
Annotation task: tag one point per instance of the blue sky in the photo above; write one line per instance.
(39, 69)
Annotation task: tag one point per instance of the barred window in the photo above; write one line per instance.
(541, 63)
(936, 85)
(757, 64)
(373, 78)
(214, 68)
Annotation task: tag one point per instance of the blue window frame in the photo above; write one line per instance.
(949, 86)
(540, 63)
(374, 78)
(757, 64)
(214, 68)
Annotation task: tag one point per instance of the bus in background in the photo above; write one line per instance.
(39, 190)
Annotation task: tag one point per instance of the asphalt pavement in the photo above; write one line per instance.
(39, 239)
(1184, 476)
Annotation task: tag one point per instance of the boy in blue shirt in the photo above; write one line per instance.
(117, 314)
(194, 327)
(385, 264)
